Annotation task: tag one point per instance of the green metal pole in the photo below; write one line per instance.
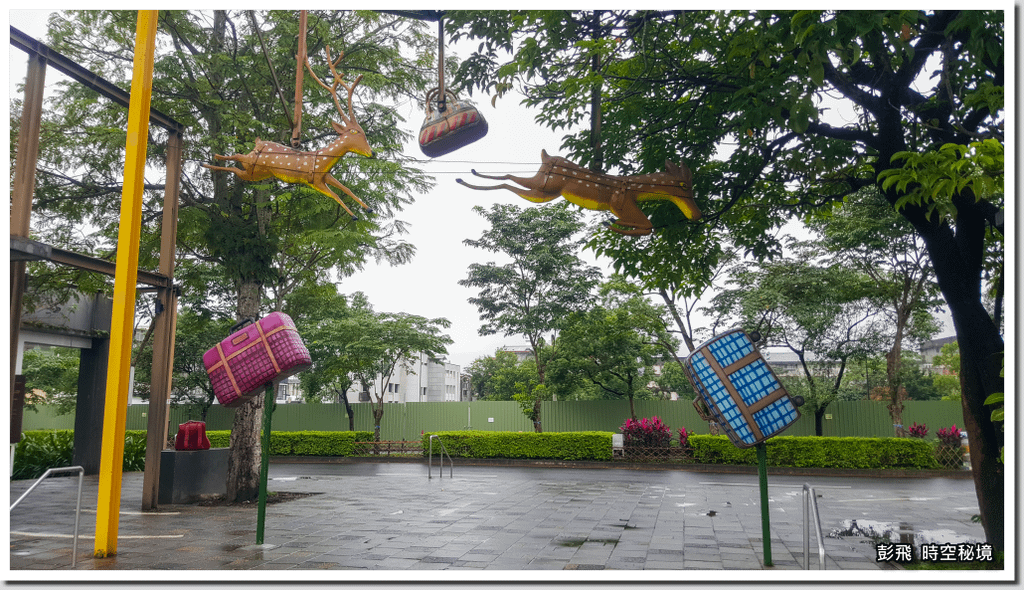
(268, 411)
(762, 474)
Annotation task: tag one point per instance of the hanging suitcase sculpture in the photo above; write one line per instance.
(247, 360)
(738, 390)
(191, 437)
(457, 125)
(450, 123)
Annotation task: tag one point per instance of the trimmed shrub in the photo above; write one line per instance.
(566, 446)
(820, 452)
(303, 442)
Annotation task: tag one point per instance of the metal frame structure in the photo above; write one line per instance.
(23, 249)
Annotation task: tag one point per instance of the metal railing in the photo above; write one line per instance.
(811, 507)
(78, 507)
(441, 454)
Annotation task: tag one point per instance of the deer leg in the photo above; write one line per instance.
(529, 194)
(536, 181)
(334, 181)
(241, 173)
(630, 232)
(629, 215)
(321, 187)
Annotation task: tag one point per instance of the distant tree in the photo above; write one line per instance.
(195, 333)
(328, 323)
(614, 346)
(386, 342)
(673, 380)
(821, 313)
(869, 236)
(54, 373)
(485, 375)
(544, 281)
(947, 381)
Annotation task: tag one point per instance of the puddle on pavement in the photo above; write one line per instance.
(578, 542)
(897, 532)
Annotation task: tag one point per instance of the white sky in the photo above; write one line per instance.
(439, 220)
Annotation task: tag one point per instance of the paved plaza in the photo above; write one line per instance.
(528, 520)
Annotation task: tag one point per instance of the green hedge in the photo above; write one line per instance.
(567, 446)
(820, 452)
(305, 442)
(40, 450)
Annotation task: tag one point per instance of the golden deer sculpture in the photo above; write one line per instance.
(559, 177)
(312, 169)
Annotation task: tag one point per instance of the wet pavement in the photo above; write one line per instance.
(530, 520)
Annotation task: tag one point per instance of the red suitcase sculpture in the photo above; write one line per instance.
(191, 437)
(244, 362)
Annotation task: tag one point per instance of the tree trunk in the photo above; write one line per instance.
(243, 481)
(536, 416)
(979, 377)
(819, 420)
(893, 360)
(343, 397)
(378, 415)
(957, 259)
(632, 411)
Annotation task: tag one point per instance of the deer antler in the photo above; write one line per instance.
(338, 81)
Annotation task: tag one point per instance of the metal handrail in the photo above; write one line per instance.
(78, 507)
(811, 507)
(442, 454)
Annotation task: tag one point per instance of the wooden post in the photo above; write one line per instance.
(24, 187)
(163, 334)
(125, 277)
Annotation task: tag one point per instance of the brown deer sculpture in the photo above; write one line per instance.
(312, 169)
(559, 177)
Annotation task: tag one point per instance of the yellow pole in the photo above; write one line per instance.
(126, 269)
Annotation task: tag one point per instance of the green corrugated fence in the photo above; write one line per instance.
(407, 421)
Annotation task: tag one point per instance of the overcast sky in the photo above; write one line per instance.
(439, 220)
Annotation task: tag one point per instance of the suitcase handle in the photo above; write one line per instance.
(242, 323)
(434, 98)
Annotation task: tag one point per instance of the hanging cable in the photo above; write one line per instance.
(300, 61)
(440, 64)
(273, 75)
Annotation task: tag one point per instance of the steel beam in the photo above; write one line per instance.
(105, 87)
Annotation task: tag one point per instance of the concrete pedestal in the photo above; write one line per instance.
(187, 476)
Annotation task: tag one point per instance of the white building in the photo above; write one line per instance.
(522, 351)
(422, 381)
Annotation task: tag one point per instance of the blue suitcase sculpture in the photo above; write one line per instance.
(737, 389)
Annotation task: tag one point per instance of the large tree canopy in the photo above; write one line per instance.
(781, 114)
(243, 247)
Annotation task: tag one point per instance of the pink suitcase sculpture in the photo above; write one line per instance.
(244, 362)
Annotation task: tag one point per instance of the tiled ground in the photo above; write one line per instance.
(392, 517)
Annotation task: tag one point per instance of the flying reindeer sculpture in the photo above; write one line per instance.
(603, 192)
(312, 169)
